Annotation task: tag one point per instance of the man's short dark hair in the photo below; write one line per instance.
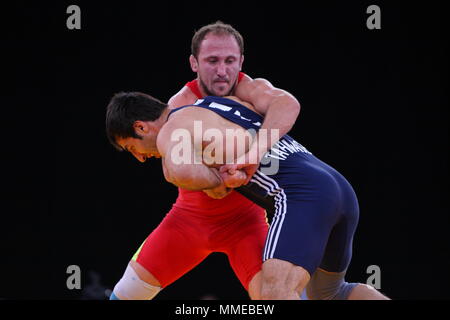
(217, 28)
(124, 109)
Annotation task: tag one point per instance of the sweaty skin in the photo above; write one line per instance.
(212, 154)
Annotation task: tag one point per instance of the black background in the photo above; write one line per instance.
(373, 102)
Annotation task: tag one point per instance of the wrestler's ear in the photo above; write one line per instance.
(194, 63)
(141, 128)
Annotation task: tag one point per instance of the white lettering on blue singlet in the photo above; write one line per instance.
(222, 107)
(237, 113)
(283, 148)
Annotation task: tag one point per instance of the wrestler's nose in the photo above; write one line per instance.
(221, 70)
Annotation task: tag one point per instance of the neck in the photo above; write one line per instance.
(163, 118)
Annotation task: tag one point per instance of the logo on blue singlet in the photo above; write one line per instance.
(283, 148)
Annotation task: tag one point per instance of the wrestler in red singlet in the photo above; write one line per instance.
(198, 225)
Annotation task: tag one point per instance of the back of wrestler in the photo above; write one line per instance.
(198, 202)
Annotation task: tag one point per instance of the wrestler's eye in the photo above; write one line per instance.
(212, 60)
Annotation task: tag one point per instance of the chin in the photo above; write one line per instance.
(223, 93)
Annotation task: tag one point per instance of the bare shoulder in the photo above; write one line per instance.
(181, 98)
(252, 90)
(248, 83)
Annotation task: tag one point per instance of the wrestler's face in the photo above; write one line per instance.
(144, 148)
(218, 64)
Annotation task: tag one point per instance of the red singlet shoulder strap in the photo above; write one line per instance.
(193, 85)
(240, 76)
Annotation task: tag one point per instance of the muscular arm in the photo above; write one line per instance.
(187, 175)
(191, 176)
(279, 108)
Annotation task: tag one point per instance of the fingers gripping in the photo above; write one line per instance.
(234, 180)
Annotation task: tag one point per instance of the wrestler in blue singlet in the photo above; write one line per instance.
(315, 209)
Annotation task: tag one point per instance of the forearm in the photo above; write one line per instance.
(281, 114)
(279, 119)
(193, 176)
(279, 108)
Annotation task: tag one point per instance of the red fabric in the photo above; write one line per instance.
(199, 203)
(193, 85)
(186, 237)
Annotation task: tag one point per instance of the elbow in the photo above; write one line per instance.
(295, 107)
(290, 104)
(291, 108)
(184, 181)
(179, 177)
